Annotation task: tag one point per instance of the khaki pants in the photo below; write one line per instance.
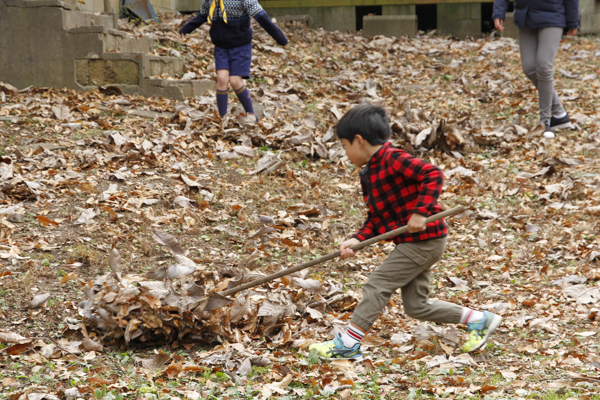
(407, 268)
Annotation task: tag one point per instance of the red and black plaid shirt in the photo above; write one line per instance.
(395, 186)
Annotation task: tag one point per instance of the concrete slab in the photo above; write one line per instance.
(399, 9)
(590, 16)
(119, 41)
(390, 25)
(305, 19)
(329, 18)
(187, 5)
(74, 19)
(459, 19)
(158, 65)
(110, 72)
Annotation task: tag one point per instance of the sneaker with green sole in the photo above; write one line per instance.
(335, 350)
(480, 331)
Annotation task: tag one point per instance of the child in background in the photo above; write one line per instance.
(231, 34)
(399, 189)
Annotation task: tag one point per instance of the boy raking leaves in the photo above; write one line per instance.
(399, 190)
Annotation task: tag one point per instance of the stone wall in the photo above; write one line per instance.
(453, 18)
(66, 48)
(330, 18)
(459, 19)
(390, 25)
(590, 16)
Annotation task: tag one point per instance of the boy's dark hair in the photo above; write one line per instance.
(366, 120)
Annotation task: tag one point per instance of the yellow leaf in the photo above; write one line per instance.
(68, 277)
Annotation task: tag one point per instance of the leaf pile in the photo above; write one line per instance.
(171, 304)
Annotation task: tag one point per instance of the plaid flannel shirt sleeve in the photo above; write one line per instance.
(368, 230)
(429, 177)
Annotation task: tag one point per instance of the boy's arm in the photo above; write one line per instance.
(198, 20)
(429, 177)
(367, 231)
(254, 9)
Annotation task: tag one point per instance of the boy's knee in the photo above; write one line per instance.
(236, 82)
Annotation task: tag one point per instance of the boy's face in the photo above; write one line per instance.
(356, 151)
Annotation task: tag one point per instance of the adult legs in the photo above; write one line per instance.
(538, 49)
(548, 42)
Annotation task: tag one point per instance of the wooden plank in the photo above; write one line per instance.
(353, 3)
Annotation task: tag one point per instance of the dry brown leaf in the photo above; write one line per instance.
(156, 362)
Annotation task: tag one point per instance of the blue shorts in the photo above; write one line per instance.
(237, 60)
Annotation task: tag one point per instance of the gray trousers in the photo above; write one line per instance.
(406, 268)
(538, 51)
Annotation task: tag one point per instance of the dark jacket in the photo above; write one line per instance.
(396, 185)
(237, 31)
(536, 14)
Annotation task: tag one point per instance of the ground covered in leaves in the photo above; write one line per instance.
(97, 188)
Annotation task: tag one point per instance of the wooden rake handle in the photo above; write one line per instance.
(358, 246)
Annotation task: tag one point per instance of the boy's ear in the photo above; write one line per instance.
(359, 139)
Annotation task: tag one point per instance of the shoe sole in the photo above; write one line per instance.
(563, 126)
(357, 359)
(495, 323)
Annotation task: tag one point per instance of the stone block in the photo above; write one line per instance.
(82, 73)
(399, 9)
(390, 25)
(202, 86)
(590, 16)
(459, 11)
(459, 19)
(510, 29)
(304, 19)
(96, 6)
(329, 18)
(117, 41)
(74, 19)
(587, 7)
(166, 5)
(157, 66)
(108, 72)
(189, 5)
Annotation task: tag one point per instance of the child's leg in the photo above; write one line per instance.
(222, 86)
(241, 61)
(415, 298)
(237, 83)
(403, 265)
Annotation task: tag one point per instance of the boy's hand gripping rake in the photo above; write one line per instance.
(217, 300)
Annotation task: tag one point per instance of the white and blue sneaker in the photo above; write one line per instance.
(335, 350)
(480, 331)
